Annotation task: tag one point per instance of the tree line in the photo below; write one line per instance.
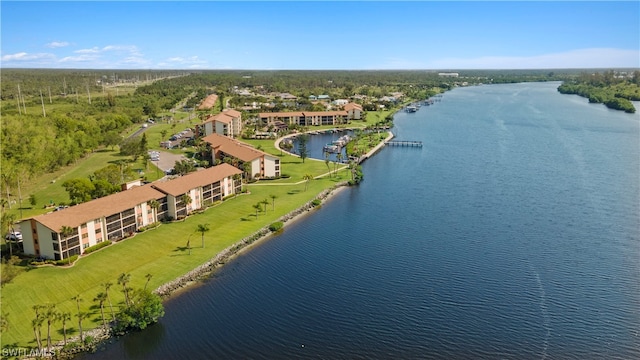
(613, 89)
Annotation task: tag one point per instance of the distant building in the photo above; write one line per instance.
(226, 123)
(305, 118)
(448, 74)
(354, 111)
(208, 102)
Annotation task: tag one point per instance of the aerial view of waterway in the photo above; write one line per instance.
(512, 233)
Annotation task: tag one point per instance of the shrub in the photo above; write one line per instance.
(276, 226)
(67, 261)
(145, 309)
(97, 246)
(316, 202)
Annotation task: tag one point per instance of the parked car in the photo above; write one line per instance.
(14, 236)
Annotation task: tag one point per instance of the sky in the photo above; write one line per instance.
(319, 35)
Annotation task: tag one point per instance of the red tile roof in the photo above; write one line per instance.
(77, 215)
(181, 185)
(234, 148)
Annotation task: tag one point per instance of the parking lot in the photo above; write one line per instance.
(176, 139)
(166, 160)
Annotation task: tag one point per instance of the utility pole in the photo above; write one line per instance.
(44, 114)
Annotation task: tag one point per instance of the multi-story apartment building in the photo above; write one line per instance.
(119, 215)
(262, 164)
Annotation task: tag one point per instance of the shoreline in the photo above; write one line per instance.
(195, 277)
(174, 287)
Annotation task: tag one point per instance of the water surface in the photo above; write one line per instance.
(513, 233)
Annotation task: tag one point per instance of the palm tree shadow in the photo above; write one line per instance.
(181, 249)
(295, 191)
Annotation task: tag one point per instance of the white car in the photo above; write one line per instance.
(14, 236)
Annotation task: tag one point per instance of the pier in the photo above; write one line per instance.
(404, 143)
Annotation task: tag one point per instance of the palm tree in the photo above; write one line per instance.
(81, 316)
(64, 317)
(123, 280)
(148, 277)
(107, 286)
(10, 220)
(202, 228)
(326, 161)
(36, 323)
(339, 158)
(307, 177)
(65, 232)
(189, 244)
(186, 200)
(273, 202)
(155, 205)
(51, 315)
(101, 298)
(265, 202)
(258, 208)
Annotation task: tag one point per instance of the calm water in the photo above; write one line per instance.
(512, 234)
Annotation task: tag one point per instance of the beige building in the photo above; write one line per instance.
(262, 164)
(354, 111)
(201, 188)
(305, 118)
(227, 123)
(120, 215)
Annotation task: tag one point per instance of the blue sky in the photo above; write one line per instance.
(319, 35)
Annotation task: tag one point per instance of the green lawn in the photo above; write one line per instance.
(160, 252)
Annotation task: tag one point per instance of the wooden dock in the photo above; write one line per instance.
(404, 143)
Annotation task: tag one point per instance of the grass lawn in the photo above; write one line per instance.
(160, 252)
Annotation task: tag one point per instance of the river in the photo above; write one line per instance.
(513, 233)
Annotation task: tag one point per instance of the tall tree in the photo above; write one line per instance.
(107, 286)
(148, 277)
(155, 205)
(202, 228)
(51, 315)
(64, 317)
(81, 316)
(186, 200)
(66, 232)
(307, 177)
(302, 146)
(123, 280)
(273, 201)
(100, 299)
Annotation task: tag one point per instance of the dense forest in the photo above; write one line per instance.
(614, 89)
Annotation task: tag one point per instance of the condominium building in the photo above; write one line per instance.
(120, 215)
(227, 123)
(241, 154)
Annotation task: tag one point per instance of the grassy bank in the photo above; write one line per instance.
(161, 252)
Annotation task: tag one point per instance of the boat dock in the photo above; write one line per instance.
(404, 143)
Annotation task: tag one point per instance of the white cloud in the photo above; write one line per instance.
(191, 62)
(80, 58)
(23, 56)
(581, 58)
(57, 44)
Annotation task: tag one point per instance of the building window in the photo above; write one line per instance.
(84, 236)
(84, 246)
